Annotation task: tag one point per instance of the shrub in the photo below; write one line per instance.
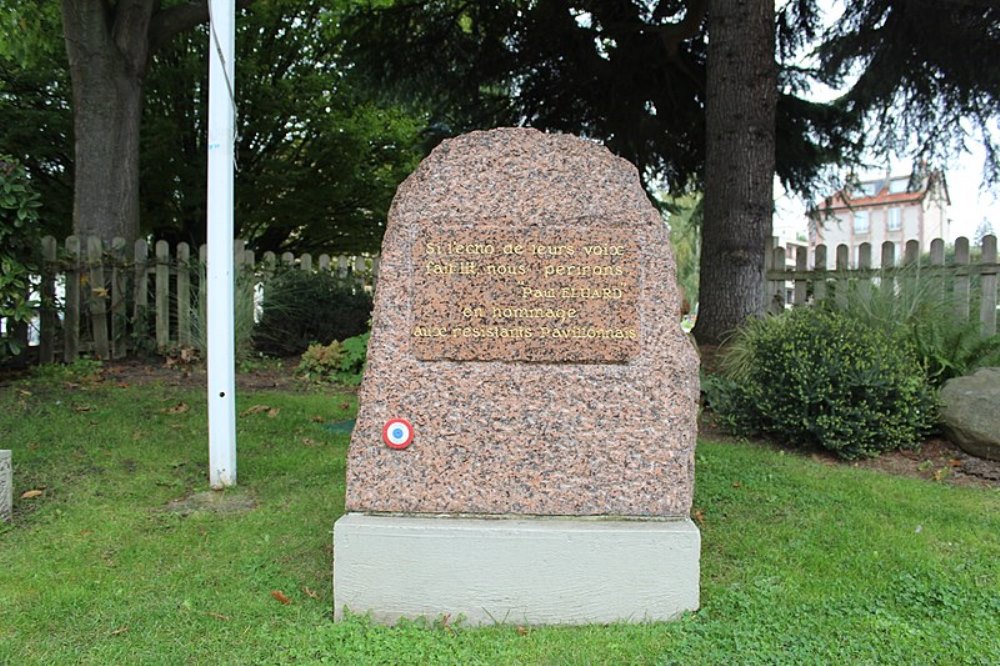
(812, 376)
(301, 307)
(916, 307)
(19, 235)
(338, 362)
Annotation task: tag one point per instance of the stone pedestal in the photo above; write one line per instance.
(516, 570)
(6, 487)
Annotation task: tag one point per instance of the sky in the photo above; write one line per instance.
(970, 203)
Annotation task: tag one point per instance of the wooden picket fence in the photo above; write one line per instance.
(969, 285)
(107, 300)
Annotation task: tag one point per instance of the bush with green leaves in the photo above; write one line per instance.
(814, 376)
(918, 307)
(303, 307)
(19, 237)
(337, 362)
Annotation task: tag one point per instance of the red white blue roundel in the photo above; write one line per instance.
(397, 433)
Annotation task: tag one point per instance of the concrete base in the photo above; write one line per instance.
(516, 571)
(6, 487)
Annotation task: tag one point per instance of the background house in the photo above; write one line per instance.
(891, 208)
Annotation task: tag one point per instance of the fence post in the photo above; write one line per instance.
(47, 314)
(864, 283)
(801, 266)
(962, 281)
(71, 320)
(819, 263)
(843, 279)
(937, 265)
(776, 288)
(887, 267)
(140, 290)
(97, 295)
(988, 283)
(119, 297)
(162, 295)
(183, 295)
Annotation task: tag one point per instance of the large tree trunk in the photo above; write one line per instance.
(109, 45)
(108, 50)
(740, 106)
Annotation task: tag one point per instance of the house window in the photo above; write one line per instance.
(862, 221)
(895, 219)
(898, 185)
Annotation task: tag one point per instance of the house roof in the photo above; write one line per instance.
(918, 186)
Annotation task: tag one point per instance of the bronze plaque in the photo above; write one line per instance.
(541, 294)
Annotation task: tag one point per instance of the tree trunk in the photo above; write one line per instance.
(741, 97)
(108, 49)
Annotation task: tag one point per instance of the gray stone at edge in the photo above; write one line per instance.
(970, 412)
(516, 571)
(6, 487)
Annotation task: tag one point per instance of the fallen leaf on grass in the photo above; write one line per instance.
(317, 419)
(256, 409)
(310, 593)
(736, 484)
(280, 596)
(29, 494)
(123, 385)
(522, 631)
(23, 392)
(271, 413)
(218, 616)
(179, 408)
(80, 409)
(309, 442)
(699, 516)
(119, 631)
(955, 462)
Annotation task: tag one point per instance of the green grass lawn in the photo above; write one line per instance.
(802, 562)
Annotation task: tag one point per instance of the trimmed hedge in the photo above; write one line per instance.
(812, 376)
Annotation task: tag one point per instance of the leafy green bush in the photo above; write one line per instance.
(812, 376)
(302, 307)
(916, 307)
(338, 362)
(19, 236)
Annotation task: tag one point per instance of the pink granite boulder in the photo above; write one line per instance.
(527, 327)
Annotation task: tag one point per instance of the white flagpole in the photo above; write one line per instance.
(220, 273)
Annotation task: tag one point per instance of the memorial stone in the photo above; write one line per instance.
(524, 447)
